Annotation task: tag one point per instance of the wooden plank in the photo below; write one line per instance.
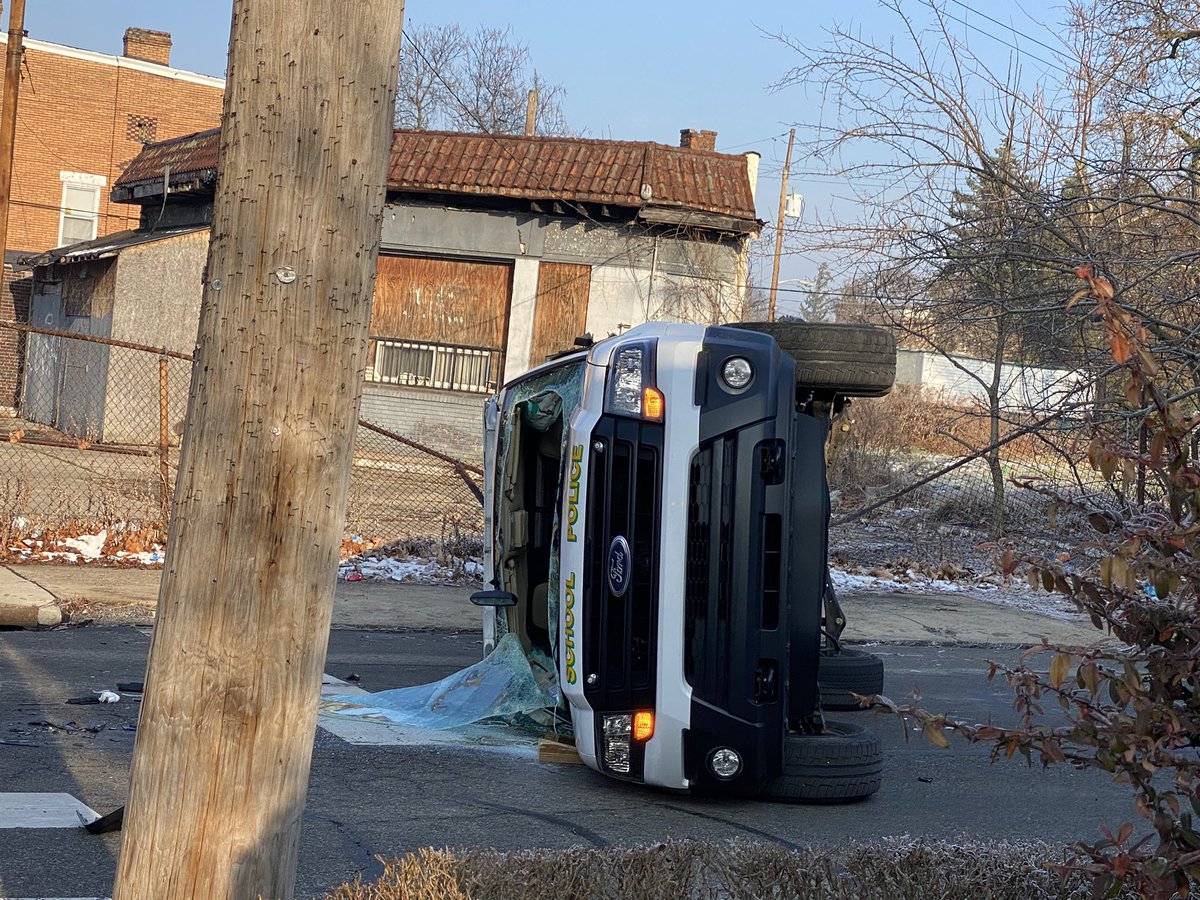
(560, 313)
(697, 219)
(554, 750)
(442, 301)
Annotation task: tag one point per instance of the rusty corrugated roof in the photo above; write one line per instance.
(578, 170)
(192, 154)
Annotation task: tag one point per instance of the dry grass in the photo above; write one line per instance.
(893, 870)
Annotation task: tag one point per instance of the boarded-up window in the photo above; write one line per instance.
(441, 301)
(439, 323)
(560, 312)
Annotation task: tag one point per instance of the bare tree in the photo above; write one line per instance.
(985, 189)
(430, 62)
(472, 81)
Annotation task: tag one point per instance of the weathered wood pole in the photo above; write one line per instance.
(224, 746)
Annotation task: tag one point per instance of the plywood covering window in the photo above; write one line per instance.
(439, 323)
(560, 312)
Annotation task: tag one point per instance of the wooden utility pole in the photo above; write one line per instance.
(787, 165)
(224, 745)
(8, 117)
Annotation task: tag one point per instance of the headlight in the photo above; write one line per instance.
(737, 373)
(631, 390)
(621, 732)
(618, 731)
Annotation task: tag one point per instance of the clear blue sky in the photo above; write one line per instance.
(632, 69)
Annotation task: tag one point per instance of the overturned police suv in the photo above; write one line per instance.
(657, 516)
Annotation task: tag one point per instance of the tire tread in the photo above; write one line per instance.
(847, 358)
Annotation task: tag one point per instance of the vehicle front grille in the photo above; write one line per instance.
(732, 592)
(624, 500)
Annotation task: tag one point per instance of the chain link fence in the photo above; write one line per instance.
(915, 479)
(923, 481)
(94, 446)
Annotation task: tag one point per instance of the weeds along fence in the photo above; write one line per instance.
(958, 465)
(94, 444)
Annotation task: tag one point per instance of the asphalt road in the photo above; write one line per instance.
(366, 801)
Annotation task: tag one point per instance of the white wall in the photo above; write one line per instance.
(520, 317)
(619, 298)
(1031, 388)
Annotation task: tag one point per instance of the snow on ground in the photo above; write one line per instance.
(1015, 594)
(411, 569)
(98, 548)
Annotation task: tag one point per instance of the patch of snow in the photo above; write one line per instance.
(1015, 594)
(90, 546)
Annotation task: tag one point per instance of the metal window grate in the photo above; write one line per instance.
(443, 366)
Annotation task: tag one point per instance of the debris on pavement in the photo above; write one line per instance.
(110, 822)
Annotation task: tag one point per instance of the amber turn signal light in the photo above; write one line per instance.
(643, 725)
(652, 405)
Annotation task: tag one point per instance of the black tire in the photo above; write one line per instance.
(842, 765)
(847, 359)
(846, 672)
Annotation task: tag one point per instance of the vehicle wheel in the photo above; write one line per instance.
(841, 765)
(849, 359)
(846, 672)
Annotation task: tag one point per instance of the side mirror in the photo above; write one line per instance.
(494, 598)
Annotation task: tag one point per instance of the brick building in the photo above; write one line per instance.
(81, 118)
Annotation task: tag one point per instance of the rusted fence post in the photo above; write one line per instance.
(164, 443)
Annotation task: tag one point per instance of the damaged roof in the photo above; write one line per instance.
(108, 245)
(186, 162)
(626, 174)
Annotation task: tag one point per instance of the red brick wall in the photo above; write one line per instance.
(14, 304)
(73, 115)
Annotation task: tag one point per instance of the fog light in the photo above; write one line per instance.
(737, 373)
(725, 763)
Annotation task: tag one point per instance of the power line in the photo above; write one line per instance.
(1057, 51)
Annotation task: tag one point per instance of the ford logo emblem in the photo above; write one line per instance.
(619, 559)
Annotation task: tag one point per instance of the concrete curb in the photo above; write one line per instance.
(25, 605)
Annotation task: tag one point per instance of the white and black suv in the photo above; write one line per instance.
(657, 526)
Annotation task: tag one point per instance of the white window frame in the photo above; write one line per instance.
(80, 181)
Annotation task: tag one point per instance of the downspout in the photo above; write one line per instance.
(653, 270)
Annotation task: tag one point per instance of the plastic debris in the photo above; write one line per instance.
(501, 686)
(109, 822)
